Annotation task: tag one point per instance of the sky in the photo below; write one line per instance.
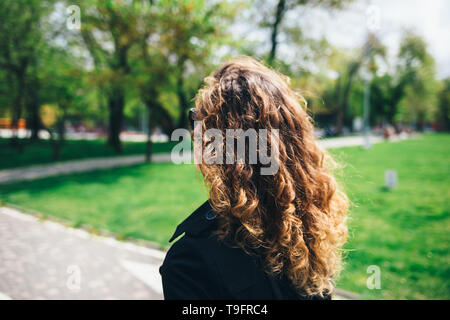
(428, 18)
(348, 29)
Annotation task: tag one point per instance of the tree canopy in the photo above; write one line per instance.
(129, 57)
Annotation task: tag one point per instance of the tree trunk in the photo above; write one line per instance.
(281, 7)
(35, 119)
(61, 130)
(116, 102)
(57, 144)
(390, 116)
(184, 104)
(17, 109)
(149, 147)
(395, 98)
(343, 105)
(16, 113)
(340, 120)
(149, 144)
(421, 121)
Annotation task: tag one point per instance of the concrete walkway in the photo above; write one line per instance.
(68, 167)
(45, 260)
(351, 141)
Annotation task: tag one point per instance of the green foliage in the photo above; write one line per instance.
(22, 39)
(130, 54)
(416, 70)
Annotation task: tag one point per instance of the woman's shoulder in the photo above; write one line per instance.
(188, 273)
(192, 249)
(199, 242)
(197, 229)
(201, 220)
(189, 270)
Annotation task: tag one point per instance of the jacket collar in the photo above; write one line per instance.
(200, 220)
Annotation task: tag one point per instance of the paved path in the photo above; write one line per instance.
(45, 260)
(67, 167)
(347, 141)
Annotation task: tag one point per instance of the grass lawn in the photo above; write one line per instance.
(403, 231)
(41, 151)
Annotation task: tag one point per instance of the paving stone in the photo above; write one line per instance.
(37, 262)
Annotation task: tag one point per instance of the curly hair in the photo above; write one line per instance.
(294, 219)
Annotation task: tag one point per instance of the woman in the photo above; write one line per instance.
(276, 236)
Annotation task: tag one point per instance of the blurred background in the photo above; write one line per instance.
(90, 92)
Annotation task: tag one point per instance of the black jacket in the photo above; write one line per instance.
(198, 266)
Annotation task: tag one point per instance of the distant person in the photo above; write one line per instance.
(388, 132)
(275, 236)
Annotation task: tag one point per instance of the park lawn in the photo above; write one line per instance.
(40, 152)
(403, 231)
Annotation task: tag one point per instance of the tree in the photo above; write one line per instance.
(21, 37)
(151, 75)
(191, 45)
(283, 6)
(109, 30)
(415, 91)
(339, 97)
(64, 91)
(443, 112)
(380, 95)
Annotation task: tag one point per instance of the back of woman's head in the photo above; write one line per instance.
(295, 217)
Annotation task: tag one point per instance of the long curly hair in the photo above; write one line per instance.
(295, 219)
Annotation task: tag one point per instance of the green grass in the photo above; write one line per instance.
(403, 231)
(40, 152)
(145, 201)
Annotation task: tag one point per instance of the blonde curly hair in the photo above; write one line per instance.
(295, 219)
